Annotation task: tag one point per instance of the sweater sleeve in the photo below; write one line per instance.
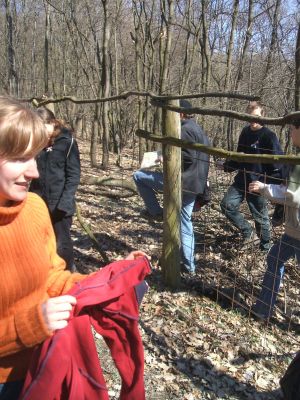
(25, 329)
(275, 193)
(282, 194)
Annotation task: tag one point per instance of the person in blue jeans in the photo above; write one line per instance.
(254, 139)
(195, 166)
(288, 245)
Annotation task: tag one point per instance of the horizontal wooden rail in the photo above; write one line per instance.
(123, 96)
(220, 153)
(286, 119)
(162, 101)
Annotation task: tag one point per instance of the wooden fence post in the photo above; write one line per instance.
(172, 198)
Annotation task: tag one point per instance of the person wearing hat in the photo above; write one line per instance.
(195, 167)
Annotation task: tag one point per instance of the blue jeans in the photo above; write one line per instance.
(258, 207)
(10, 390)
(147, 183)
(286, 248)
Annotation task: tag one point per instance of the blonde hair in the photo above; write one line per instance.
(22, 132)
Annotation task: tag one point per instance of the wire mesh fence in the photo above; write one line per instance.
(236, 270)
(229, 268)
(227, 271)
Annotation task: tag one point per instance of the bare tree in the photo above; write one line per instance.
(297, 72)
(105, 82)
(13, 79)
(245, 48)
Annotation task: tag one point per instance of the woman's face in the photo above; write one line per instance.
(15, 178)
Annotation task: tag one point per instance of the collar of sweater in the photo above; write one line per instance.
(8, 214)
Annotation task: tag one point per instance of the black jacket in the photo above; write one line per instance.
(263, 141)
(59, 169)
(195, 164)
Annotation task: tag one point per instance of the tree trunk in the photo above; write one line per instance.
(230, 44)
(226, 123)
(105, 81)
(297, 72)
(94, 136)
(272, 44)
(137, 38)
(172, 199)
(189, 49)
(245, 47)
(165, 40)
(46, 48)
(206, 59)
(13, 80)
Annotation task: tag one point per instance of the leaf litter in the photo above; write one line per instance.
(195, 348)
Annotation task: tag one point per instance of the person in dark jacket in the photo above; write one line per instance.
(195, 167)
(254, 139)
(59, 176)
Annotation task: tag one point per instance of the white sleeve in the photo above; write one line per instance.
(276, 193)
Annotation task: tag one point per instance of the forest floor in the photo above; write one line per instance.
(199, 340)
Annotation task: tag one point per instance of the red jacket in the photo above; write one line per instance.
(66, 366)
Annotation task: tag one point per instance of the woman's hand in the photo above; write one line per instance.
(255, 186)
(136, 254)
(56, 311)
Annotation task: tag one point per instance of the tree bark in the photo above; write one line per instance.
(172, 200)
(94, 136)
(137, 38)
(245, 46)
(46, 48)
(13, 79)
(226, 123)
(272, 44)
(105, 83)
(297, 72)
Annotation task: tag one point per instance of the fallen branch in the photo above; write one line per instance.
(125, 187)
(110, 181)
(87, 229)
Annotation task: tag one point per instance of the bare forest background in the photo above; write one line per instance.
(130, 52)
(91, 49)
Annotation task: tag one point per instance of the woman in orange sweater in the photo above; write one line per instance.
(33, 277)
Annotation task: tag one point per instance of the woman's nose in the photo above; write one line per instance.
(31, 170)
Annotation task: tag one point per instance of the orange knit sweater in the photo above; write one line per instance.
(30, 272)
